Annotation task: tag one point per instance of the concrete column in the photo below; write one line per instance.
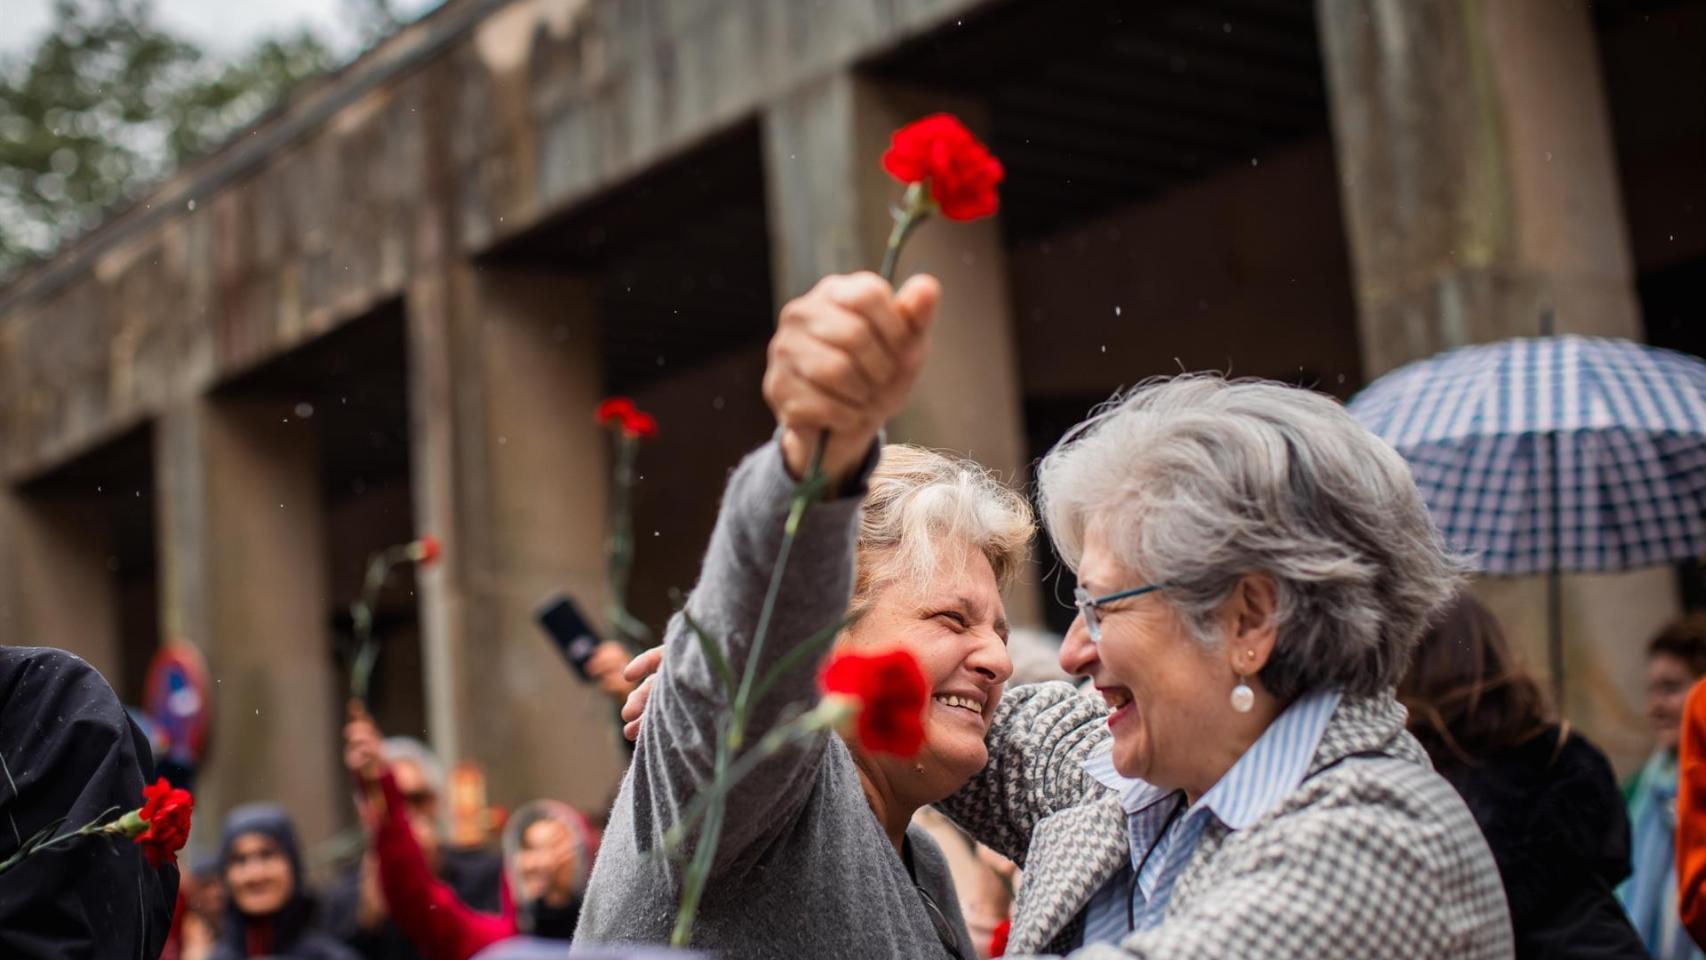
(829, 201)
(511, 471)
(1478, 174)
(244, 575)
(62, 591)
(1477, 169)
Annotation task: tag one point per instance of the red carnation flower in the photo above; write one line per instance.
(639, 423)
(960, 172)
(615, 410)
(167, 811)
(426, 550)
(891, 694)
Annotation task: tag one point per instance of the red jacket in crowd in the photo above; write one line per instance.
(1691, 817)
(424, 907)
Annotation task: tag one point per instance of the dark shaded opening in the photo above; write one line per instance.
(350, 386)
(102, 507)
(1653, 53)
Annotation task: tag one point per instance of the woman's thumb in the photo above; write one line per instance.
(917, 299)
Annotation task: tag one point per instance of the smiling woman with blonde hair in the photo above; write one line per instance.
(818, 856)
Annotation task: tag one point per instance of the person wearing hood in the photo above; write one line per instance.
(548, 852)
(268, 911)
(71, 756)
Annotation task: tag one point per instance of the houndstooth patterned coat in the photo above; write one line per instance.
(1372, 856)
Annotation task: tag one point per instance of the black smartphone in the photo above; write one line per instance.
(562, 622)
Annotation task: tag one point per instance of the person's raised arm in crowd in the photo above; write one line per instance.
(436, 921)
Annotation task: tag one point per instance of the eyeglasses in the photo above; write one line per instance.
(1088, 605)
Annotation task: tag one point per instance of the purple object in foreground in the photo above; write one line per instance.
(533, 948)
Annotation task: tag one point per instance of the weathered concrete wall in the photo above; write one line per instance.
(540, 104)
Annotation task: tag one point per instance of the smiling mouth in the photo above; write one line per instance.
(1116, 697)
(960, 703)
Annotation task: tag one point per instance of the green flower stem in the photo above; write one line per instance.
(713, 804)
(805, 492)
(727, 771)
(129, 825)
(915, 206)
(619, 560)
(729, 743)
(827, 714)
(361, 616)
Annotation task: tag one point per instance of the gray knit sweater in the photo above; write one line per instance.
(804, 869)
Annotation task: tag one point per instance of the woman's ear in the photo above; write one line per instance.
(1254, 614)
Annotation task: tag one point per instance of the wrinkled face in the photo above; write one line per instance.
(1165, 689)
(423, 806)
(258, 874)
(1668, 683)
(546, 862)
(956, 626)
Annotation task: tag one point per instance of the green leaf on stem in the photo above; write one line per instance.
(811, 646)
(713, 654)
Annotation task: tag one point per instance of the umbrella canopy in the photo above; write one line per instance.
(1554, 454)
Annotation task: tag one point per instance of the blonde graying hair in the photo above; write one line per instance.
(1197, 482)
(918, 499)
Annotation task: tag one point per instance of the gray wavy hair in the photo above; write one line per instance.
(918, 499)
(1198, 481)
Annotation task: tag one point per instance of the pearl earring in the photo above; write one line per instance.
(918, 767)
(1243, 698)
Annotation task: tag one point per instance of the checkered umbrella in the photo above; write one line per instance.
(1554, 454)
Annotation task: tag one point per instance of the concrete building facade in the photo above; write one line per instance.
(391, 306)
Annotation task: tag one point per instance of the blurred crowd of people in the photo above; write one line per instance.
(1589, 868)
(411, 894)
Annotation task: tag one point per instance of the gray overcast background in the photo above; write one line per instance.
(223, 27)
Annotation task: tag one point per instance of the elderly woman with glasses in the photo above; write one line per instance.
(1254, 572)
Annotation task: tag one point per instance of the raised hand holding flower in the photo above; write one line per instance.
(842, 362)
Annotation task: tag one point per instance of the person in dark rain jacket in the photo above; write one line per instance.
(69, 754)
(1546, 799)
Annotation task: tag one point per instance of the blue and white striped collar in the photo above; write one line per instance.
(1272, 767)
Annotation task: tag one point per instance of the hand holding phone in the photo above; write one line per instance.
(573, 636)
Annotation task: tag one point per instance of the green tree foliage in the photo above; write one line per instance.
(108, 103)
